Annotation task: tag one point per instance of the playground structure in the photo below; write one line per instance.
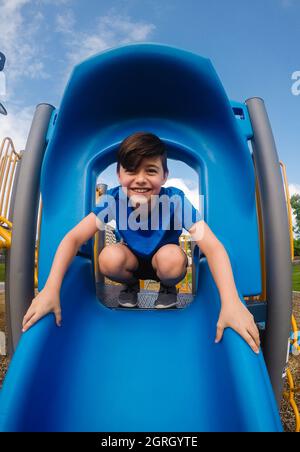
(8, 171)
(10, 161)
(200, 126)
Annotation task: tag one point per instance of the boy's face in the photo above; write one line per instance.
(145, 181)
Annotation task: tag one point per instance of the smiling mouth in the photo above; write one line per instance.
(140, 190)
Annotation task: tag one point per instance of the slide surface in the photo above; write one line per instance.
(122, 370)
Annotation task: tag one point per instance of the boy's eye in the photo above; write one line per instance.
(133, 172)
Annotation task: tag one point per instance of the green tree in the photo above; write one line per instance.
(295, 204)
(297, 247)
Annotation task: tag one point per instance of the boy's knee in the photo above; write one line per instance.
(111, 259)
(170, 260)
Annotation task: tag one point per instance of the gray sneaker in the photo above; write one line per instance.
(167, 297)
(128, 297)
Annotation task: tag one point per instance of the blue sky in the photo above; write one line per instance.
(254, 46)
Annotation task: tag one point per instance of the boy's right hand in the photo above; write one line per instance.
(46, 301)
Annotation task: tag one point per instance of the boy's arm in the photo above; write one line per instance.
(68, 248)
(48, 299)
(233, 313)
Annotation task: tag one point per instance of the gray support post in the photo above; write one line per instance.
(276, 244)
(20, 277)
(9, 344)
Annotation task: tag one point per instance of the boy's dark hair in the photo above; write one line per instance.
(138, 146)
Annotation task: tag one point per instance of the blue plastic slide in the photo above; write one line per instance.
(142, 370)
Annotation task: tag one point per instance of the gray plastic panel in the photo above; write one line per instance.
(276, 243)
(20, 277)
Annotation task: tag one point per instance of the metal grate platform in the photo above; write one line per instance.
(109, 295)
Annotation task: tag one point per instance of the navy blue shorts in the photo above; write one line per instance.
(145, 269)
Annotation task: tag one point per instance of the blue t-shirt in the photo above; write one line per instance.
(146, 232)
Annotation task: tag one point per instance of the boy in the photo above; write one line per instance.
(150, 248)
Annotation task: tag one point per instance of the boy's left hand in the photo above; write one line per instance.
(235, 315)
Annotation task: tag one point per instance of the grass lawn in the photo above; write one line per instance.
(296, 277)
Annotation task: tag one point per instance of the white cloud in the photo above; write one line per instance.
(293, 189)
(192, 195)
(18, 42)
(16, 125)
(53, 2)
(65, 22)
(110, 30)
(21, 24)
(23, 60)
